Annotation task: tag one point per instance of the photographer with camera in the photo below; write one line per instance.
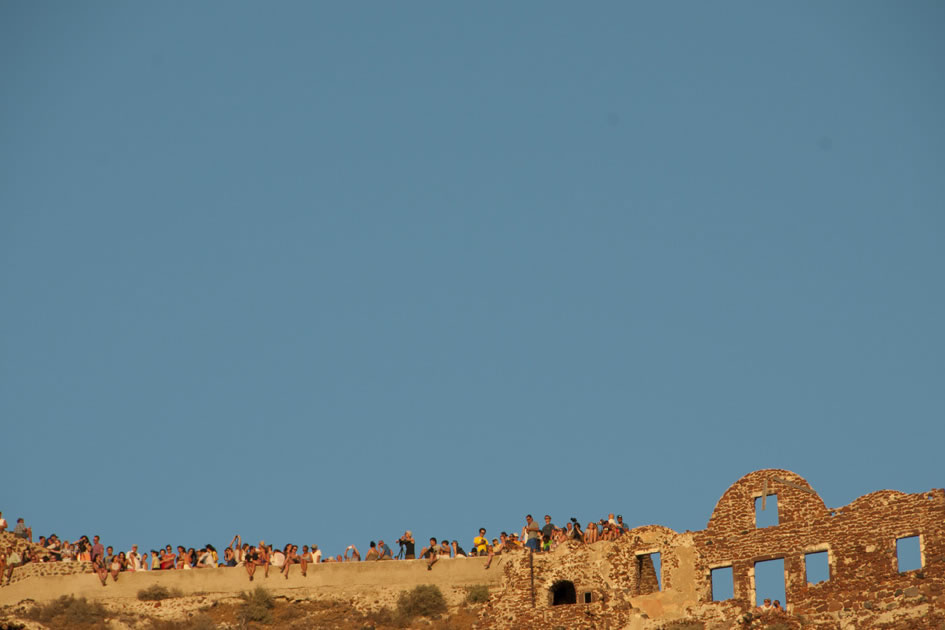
(407, 546)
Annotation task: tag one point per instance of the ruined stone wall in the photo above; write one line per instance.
(865, 583)
(39, 569)
(865, 588)
(23, 547)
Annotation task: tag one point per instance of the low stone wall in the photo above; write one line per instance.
(39, 569)
(373, 583)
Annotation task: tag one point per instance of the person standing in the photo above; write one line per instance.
(98, 550)
(408, 545)
(531, 533)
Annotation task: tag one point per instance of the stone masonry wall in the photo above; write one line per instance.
(22, 546)
(34, 569)
(865, 588)
(864, 585)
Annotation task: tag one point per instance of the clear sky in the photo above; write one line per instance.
(323, 272)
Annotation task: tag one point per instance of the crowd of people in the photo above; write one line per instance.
(105, 562)
(769, 607)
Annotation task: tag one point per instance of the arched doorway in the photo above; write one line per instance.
(562, 592)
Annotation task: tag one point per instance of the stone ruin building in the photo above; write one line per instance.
(651, 577)
(865, 585)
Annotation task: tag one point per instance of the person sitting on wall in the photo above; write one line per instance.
(265, 557)
(67, 552)
(384, 551)
(372, 554)
(292, 557)
(457, 550)
(134, 560)
(355, 554)
(777, 606)
(83, 549)
(237, 548)
(22, 531)
(3, 528)
(622, 528)
(100, 565)
(12, 561)
(182, 559)
(316, 554)
(495, 548)
(54, 547)
(205, 559)
(766, 607)
(117, 565)
(574, 530)
(561, 536)
(250, 559)
(168, 559)
(429, 553)
(425, 552)
(192, 558)
(277, 559)
(444, 551)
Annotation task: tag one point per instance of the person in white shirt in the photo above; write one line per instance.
(134, 559)
(206, 559)
(277, 559)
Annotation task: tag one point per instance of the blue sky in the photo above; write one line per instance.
(322, 272)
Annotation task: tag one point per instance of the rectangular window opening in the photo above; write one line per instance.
(908, 553)
(817, 566)
(769, 581)
(588, 598)
(766, 511)
(723, 585)
(649, 574)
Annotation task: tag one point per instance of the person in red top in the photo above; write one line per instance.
(168, 559)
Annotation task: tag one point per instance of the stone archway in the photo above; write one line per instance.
(562, 592)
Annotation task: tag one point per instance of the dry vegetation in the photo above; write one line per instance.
(258, 609)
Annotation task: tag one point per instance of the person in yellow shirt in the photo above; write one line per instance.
(481, 543)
